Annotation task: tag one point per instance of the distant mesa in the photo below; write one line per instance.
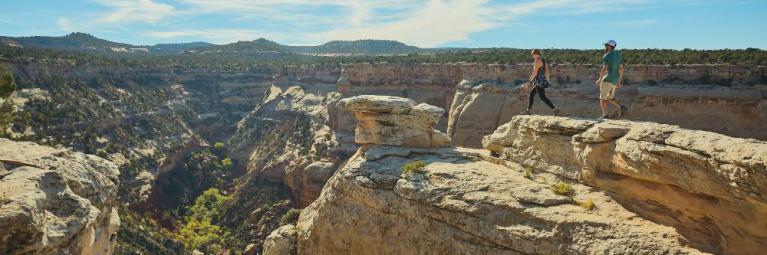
(86, 42)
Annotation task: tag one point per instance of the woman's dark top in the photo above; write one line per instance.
(540, 78)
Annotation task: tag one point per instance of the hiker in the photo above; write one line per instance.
(613, 66)
(538, 82)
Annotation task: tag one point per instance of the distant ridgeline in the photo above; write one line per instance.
(245, 54)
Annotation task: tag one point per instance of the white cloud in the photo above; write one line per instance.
(421, 23)
(65, 24)
(424, 23)
(432, 24)
(125, 11)
(216, 35)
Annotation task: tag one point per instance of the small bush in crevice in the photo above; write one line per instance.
(415, 167)
(562, 188)
(528, 173)
(291, 217)
(587, 204)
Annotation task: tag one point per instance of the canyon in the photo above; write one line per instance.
(294, 135)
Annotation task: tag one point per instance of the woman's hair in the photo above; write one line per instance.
(537, 52)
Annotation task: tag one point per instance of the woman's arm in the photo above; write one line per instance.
(536, 66)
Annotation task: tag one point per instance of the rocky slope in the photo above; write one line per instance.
(56, 201)
(466, 201)
(290, 150)
(709, 187)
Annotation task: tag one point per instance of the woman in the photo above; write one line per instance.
(539, 82)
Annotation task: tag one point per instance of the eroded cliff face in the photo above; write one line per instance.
(478, 108)
(466, 201)
(56, 201)
(709, 187)
(290, 150)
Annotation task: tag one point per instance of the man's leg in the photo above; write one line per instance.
(605, 94)
(603, 105)
(621, 109)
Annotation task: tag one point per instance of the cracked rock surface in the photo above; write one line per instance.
(55, 201)
(712, 188)
(461, 204)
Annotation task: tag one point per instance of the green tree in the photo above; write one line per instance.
(7, 83)
(227, 163)
(7, 86)
(200, 231)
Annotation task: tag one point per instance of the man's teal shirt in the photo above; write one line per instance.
(613, 61)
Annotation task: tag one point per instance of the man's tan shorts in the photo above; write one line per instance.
(606, 90)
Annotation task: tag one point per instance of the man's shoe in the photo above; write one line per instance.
(525, 112)
(556, 111)
(622, 110)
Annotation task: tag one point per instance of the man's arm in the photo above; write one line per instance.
(601, 74)
(620, 75)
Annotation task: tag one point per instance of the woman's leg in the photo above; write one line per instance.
(546, 100)
(531, 98)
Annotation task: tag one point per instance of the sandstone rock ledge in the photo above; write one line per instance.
(460, 204)
(55, 201)
(710, 187)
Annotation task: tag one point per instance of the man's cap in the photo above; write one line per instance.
(611, 43)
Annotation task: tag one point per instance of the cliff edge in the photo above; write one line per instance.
(55, 201)
(710, 187)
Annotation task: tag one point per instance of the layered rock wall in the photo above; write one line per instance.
(480, 107)
(693, 96)
(708, 186)
(55, 201)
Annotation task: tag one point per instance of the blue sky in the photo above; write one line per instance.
(673, 24)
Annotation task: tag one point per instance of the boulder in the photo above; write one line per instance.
(712, 188)
(56, 201)
(307, 183)
(250, 249)
(395, 121)
(281, 241)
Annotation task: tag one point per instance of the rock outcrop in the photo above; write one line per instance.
(409, 200)
(55, 201)
(710, 187)
(395, 121)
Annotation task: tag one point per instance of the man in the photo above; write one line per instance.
(613, 67)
